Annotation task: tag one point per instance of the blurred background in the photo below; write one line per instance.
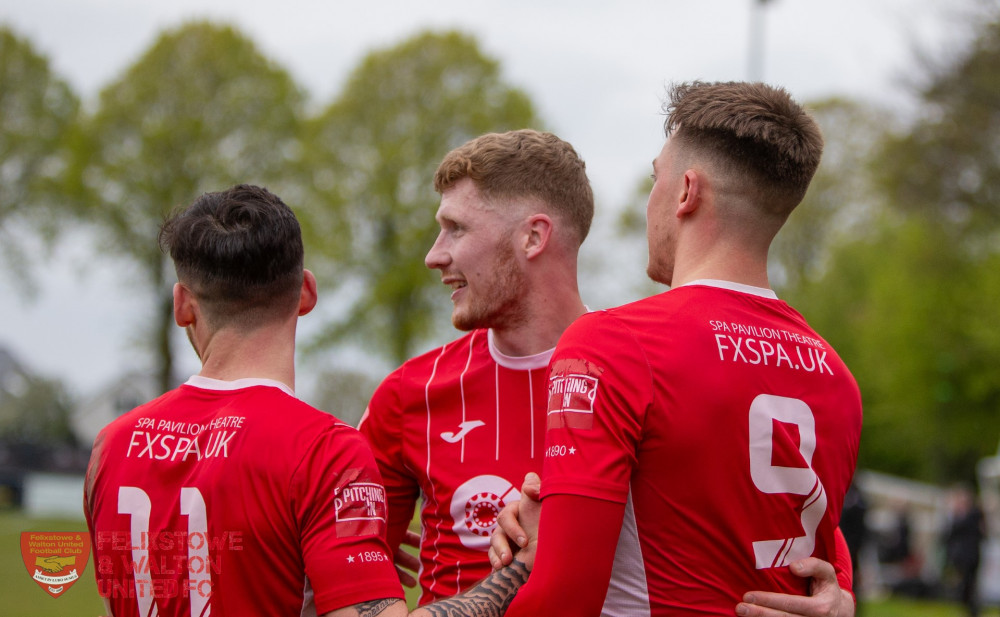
(113, 113)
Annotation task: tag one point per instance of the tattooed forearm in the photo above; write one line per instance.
(374, 607)
(490, 598)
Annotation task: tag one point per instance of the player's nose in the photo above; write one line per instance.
(437, 257)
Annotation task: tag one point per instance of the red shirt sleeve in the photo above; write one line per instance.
(339, 504)
(576, 551)
(600, 386)
(382, 426)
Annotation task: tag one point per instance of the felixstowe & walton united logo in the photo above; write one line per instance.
(55, 559)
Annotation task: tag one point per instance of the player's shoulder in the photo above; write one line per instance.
(404, 388)
(461, 346)
(293, 410)
(420, 368)
(616, 318)
(274, 408)
(676, 307)
(301, 427)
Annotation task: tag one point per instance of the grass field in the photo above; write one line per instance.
(20, 596)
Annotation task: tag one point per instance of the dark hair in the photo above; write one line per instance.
(753, 132)
(240, 252)
(524, 163)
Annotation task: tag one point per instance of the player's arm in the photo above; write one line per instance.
(494, 594)
(385, 607)
(490, 597)
(569, 577)
(381, 426)
(584, 504)
(339, 507)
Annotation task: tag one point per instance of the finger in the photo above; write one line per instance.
(411, 538)
(509, 525)
(495, 561)
(752, 610)
(500, 556)
(405, 578)
(815, 568)
(786, 604)
(823, 583)
(532, 486)
(500, 548)
(405, 559)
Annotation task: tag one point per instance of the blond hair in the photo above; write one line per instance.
(524, 163)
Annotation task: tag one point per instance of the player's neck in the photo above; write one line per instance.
(267, 353)
(734, 272)
(721, 260)
(545, 320)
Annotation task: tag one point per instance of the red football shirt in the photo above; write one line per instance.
(727, 427)
(459, 426)
(235, 498)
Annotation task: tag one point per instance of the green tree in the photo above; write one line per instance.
(897, 305)
(943, 176)
(39, 113)
(841, 202)
(374, 151)
(33, 410)
(345, 393)
(911, 302)
(946, 167)
(38, 413)
(201, 110)
(630, 235)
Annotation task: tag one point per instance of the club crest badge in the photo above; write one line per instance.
(475, 507)
(55, 559)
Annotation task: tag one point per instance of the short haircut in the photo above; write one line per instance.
(524, 163)
(240, 252)
(752, 132)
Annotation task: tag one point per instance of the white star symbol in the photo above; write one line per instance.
(572, 450)
(350, 559)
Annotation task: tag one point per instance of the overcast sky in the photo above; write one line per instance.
(596, 71)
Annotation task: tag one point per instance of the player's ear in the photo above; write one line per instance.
(184, 305)
(308, 296)
(690, 195)
(539, 227)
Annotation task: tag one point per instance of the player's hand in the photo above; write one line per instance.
(407, 564)
(518, 521)
(827, 599)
